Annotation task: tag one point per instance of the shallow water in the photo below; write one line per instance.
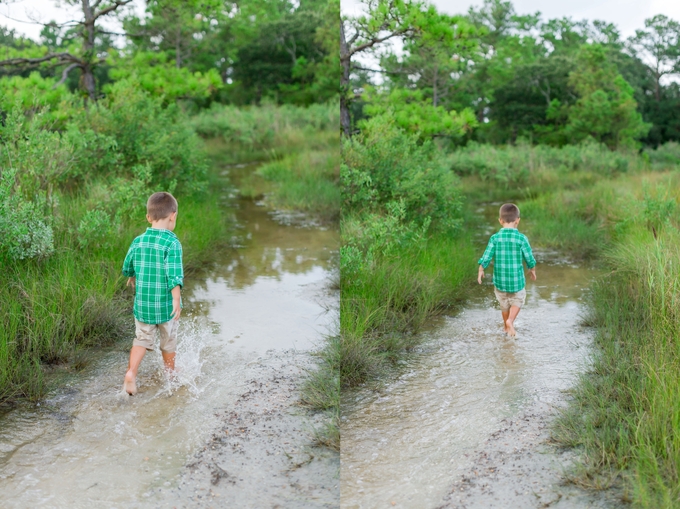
(408, 441)
(87, 445)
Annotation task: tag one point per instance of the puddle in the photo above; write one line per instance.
(404, 445)
(89, 446)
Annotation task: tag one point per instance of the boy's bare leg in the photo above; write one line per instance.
(169, 361)
(505, 314)
(136, 356)
(509, 323)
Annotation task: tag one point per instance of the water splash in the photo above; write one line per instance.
(191, 340)
(192, 337)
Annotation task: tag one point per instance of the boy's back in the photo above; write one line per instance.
(155, 258)
(508, 248)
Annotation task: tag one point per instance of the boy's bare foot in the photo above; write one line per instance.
(129, 385)
(510, 329)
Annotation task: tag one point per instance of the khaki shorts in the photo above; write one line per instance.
(146, 332)
(507, 299)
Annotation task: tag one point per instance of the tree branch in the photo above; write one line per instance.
(378, 40)
(358, 67)
(65, 74)
(116, 4)
(63, 57)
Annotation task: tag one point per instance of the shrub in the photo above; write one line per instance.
(386, 168)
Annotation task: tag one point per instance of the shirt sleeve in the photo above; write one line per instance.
(128, 265)
(486, 258)
(173, 267)
(527, 254)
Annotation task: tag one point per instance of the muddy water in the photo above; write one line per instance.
(88, 445)
(404, 445)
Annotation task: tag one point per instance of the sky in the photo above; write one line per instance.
(627, 15)
(24, 12)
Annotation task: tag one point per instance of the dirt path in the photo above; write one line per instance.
(519, 467)
(262, 454)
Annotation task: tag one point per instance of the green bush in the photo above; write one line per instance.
(130, 132)
(386, 167)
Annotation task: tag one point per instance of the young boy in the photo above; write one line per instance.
(508, 247)
(154, 267)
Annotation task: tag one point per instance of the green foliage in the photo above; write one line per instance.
(156, 74)
(23, 234)
(131, 135)
(401, 260)
(412, 112)
(605, 110)
(533, 169)
(264, 127)
(35, 93)
(386, 166)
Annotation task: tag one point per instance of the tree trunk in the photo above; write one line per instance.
(87, 80)
(345, 61)
(434, 87)
(178, 49)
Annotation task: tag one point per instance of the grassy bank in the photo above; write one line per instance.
(405, 254)
(624, 413)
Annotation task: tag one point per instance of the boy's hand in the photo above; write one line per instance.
(131, 282)
(176, 309)
(532, 273)
(480, 274)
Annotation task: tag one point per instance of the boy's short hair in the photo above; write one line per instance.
(160, 205)
(509, 213)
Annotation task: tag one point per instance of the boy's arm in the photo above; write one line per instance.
(128, 265)
(529, 258)
(176, 302)
(486, 258)
(175, 274)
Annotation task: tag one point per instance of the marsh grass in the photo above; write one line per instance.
(306, 181)
(625, 412)
(383, 307)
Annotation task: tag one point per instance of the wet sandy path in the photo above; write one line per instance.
(412, 443)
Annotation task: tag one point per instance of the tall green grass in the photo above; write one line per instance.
(260, 133)
(626, 411)
(384, 304)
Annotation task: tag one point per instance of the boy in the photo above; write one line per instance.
(154, 267)
(508, 247)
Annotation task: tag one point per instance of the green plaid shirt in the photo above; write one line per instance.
(155, 260)
(508, 247)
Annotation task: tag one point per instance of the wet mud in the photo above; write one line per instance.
(260, 455)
